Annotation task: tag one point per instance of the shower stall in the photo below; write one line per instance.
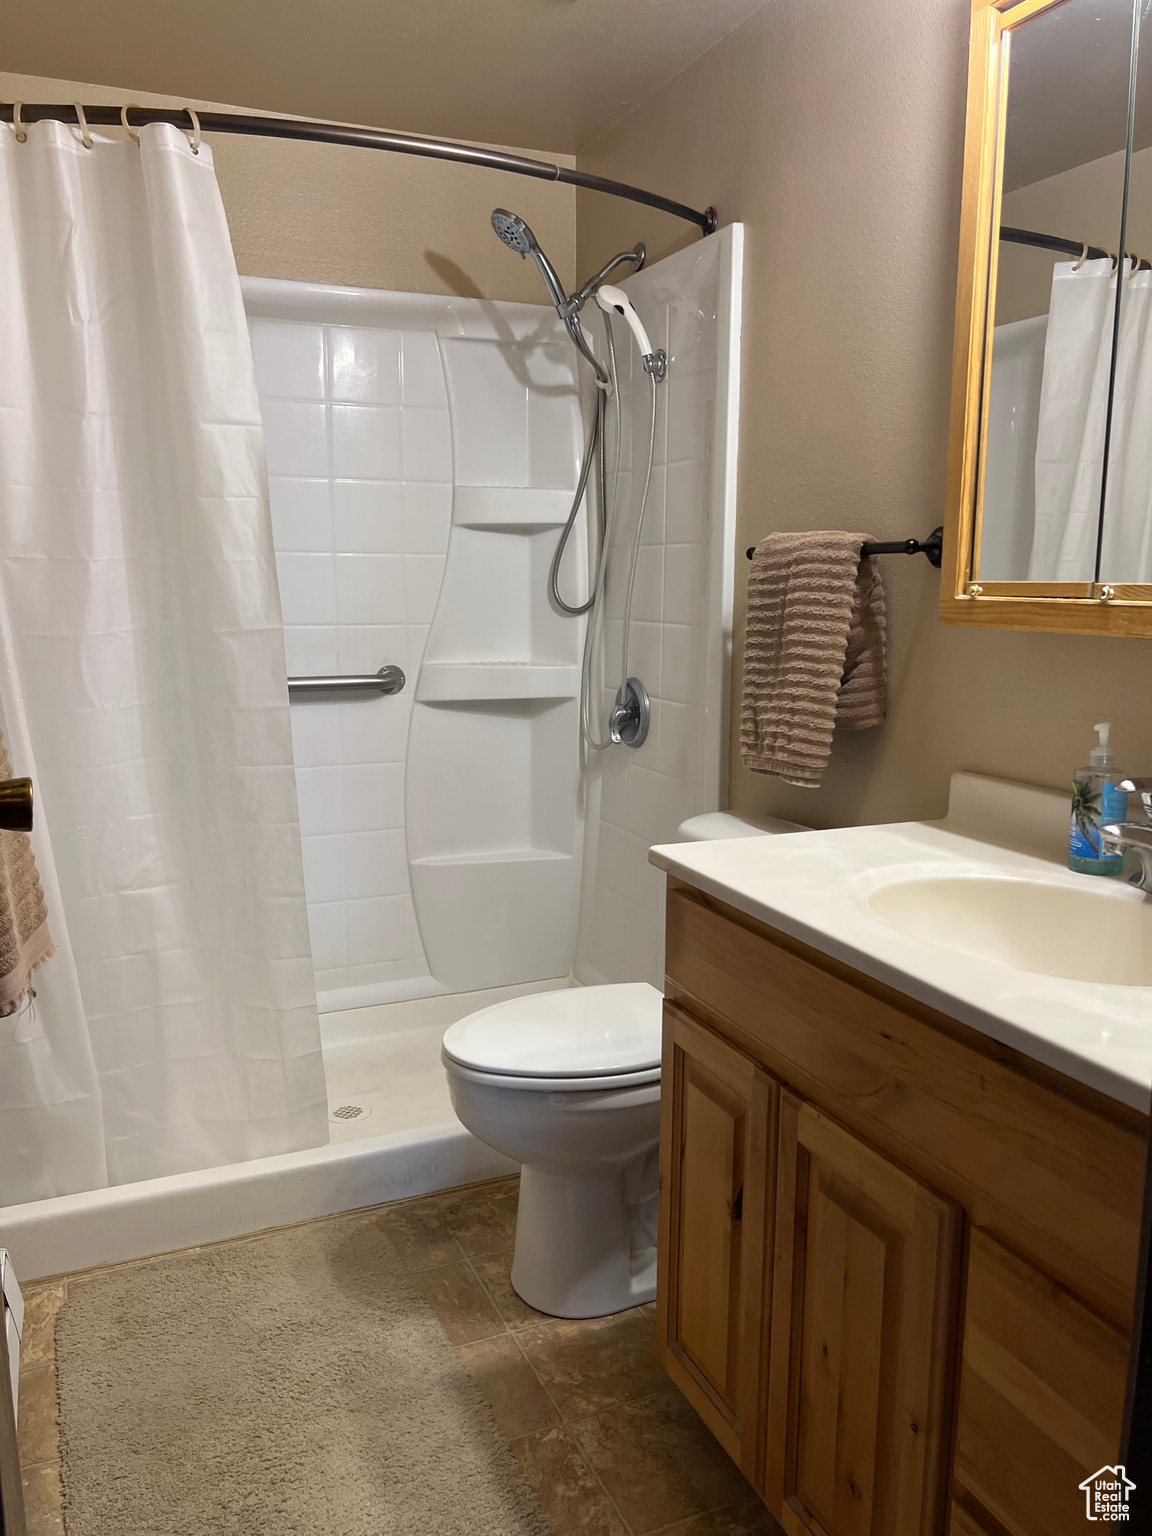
(461, 842)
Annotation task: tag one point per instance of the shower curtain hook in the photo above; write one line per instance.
(83, 121)
(1082, 258)
(195, 140)
(133, 133)
(21, 131)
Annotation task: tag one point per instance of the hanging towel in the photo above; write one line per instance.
(25, 942)
(814, 652)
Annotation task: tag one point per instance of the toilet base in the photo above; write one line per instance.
(586, 1244)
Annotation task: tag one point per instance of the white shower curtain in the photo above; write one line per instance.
(1126, 550)
(1073, 410)
(142, 681)
(1073, 417)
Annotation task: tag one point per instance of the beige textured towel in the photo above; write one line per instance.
(25, 942)
(814, 652)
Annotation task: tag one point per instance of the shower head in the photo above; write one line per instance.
(511, 228)
(516, 235)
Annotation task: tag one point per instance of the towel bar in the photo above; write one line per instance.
(389, 679)
(16, 805)
(932, 546)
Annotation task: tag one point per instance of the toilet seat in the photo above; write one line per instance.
(591, 1038)
(509, 1081)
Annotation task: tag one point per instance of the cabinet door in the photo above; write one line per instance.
(863, 1313)
(716, 1154)
(1041, 1396)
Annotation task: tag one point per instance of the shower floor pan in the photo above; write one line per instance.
(405, 1141)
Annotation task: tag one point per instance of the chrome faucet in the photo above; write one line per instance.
(1119, 836)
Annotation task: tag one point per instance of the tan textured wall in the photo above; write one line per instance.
(836, 135)
(323, 213)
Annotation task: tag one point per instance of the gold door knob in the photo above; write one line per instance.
(15, 805)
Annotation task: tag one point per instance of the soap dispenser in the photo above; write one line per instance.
(1097, 800)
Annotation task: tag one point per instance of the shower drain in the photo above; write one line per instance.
(348, 1112)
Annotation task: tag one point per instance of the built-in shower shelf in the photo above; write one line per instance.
(448, 682)
(492, 856)
(504, 914)
(510, 509)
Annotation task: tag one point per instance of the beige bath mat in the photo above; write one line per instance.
(294, 1385)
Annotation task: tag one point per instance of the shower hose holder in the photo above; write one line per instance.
(656, 363)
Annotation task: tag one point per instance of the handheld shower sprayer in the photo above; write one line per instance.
(517, 236)
(614, 300)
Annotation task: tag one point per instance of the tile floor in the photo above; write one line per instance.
(610, 1447)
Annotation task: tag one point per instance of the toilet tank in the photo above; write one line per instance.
(714, 825)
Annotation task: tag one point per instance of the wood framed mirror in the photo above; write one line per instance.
(1049, 513)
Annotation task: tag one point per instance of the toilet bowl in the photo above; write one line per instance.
(567, 1084)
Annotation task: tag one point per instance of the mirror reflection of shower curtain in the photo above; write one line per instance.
(1126, 548)
(1073, 415)
(1073, 412)
(1009, 511)
(142, 681)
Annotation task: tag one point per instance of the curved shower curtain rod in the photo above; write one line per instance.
(1080, 249)
(362, 138)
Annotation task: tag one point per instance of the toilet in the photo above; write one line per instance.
(567, 1084)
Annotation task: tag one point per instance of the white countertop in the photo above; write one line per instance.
(815, 887)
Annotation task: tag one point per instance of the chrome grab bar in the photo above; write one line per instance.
(389, 679)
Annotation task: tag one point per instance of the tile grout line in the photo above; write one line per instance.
(579, 1448)
(513, 1335)
(504, 1326)
(566, 1423)
(635, 1402)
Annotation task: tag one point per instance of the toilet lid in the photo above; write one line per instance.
(577, 1032)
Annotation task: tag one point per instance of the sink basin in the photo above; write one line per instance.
(1079, 934)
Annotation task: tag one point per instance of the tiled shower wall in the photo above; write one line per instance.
(422, 453)
(360, 475)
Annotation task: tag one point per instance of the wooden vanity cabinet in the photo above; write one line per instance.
(897, 1260)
